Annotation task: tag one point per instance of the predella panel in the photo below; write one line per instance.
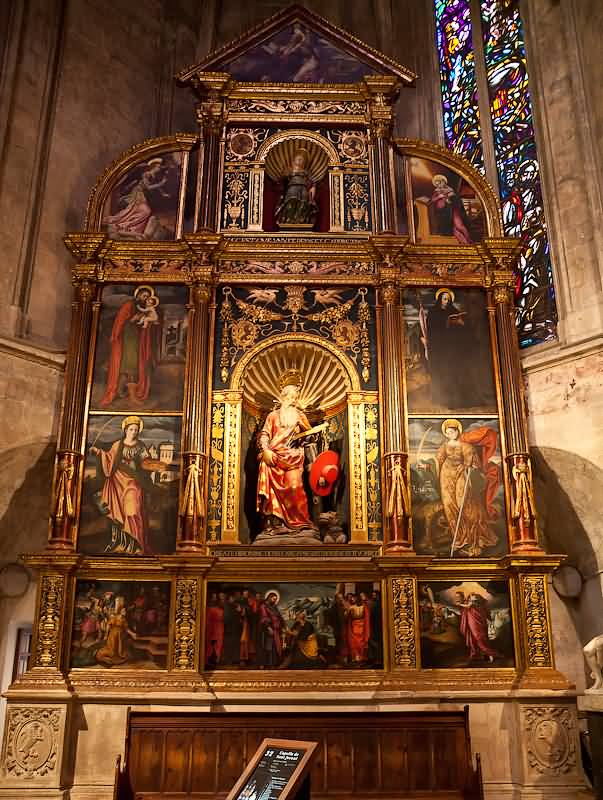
(465, 623)
(121, 624)
(293, 625)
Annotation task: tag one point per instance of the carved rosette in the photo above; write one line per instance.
(32, 743)
(550, 734)
(534, 600)
(48, 631)
(405, 644)
(185, 626)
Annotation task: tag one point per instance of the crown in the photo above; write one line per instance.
(291, 377)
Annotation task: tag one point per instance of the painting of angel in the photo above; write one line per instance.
(144, 204)
(465, 623)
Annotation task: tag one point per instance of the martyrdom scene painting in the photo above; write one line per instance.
(141, 348)
(143, 206)
(447, 351)
(297, 54)
(447, 209)
(121, 624)
(293, 626)
(457, 487)
(131, 480)
(465, 624)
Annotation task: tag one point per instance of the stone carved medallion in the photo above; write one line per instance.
(31, 742)
(550, 740)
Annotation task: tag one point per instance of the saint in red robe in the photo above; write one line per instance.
(214, 632)
(474, 628)
(358, 632)
(123, 496)
(131, 356)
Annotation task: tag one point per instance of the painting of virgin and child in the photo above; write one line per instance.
(121, 624)
(141, 348)
(131, 479)
(465, 624)
(293, 626)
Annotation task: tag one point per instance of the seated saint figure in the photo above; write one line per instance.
(297, 205)
(281, 497)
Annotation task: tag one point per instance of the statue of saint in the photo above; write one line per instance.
(281, 496)
(297, 205)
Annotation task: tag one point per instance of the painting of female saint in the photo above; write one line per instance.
(122, 624)
(446, 208)
(465, 624)
(447, 351)
(293, 626)
(141, 348)
(144, 204)
(457, 487)
(131, 479)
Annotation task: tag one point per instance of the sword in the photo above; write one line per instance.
(309, 432)
(458, 519)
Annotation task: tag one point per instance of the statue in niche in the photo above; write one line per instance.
(297, 206)
(283, 443)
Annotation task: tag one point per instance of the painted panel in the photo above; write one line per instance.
(130, 489)
(293, 626)
(465, 623)
(120, 624)
(141, 348)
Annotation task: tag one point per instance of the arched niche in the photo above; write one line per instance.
(441, 198)
(147, 194)
(330, 391)
(273, 159)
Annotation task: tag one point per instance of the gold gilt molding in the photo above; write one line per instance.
(405, 634)
(48, 632)
(185, 624)
(538, 644)
(233, 406)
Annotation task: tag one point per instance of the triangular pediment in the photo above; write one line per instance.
(298, 46)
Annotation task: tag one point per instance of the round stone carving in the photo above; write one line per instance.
(33, 745)
(550, 743)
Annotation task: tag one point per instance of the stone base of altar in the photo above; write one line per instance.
(528, 742)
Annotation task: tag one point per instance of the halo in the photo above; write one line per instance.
(274, 592)
(451, 423)
(144, 286)
(132, 420)
(448, 291)
(439, 178)
(152, 161)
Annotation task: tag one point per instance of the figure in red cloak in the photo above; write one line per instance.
(358, 631)
(132, 355)
(474, 626)
(214, 631)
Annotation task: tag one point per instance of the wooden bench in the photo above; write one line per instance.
(382, 756)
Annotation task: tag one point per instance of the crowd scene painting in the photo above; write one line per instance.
(121, 624)
(293, 626)
(466, 624)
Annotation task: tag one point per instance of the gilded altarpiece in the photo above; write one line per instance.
(293, 451)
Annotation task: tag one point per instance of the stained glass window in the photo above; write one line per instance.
(510, 111)
(457, 79)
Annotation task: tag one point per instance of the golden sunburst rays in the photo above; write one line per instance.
(324, 381)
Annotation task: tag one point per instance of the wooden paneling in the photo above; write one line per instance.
(361, 756)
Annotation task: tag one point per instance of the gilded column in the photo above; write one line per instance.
(398, 537)
(382, 92)
(211, 118)
(524, 538)
(192, 504)
(69, 449)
